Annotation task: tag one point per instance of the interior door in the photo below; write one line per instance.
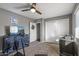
(33, 32)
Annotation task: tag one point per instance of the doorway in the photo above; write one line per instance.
(38, 31)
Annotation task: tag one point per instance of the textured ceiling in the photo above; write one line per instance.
(48, 9)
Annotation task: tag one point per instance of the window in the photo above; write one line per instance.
(13, 29)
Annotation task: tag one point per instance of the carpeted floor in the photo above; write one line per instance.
(41, 48)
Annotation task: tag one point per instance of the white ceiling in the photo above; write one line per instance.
(48, 9)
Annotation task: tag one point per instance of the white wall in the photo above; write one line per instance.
(42, 29)
(76, 8)
(33, 35)
(5, 17)
(76, 28)
(75, 19)
(56, 28)
(77, 25)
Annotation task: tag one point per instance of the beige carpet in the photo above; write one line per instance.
(41, 48)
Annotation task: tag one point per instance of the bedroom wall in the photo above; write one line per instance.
(66, 19)
(5, 17)
(75, 23)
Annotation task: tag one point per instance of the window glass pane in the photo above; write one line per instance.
(13, 29)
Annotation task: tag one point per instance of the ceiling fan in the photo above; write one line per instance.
(32, 8)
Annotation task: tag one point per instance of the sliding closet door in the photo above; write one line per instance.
(56, 28)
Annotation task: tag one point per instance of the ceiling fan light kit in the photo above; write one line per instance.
(33, 10)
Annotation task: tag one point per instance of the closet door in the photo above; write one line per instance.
(55, 29)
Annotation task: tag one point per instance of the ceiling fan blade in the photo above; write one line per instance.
(34, 5)
(25, 10)
(23, 6)
(38, 12)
